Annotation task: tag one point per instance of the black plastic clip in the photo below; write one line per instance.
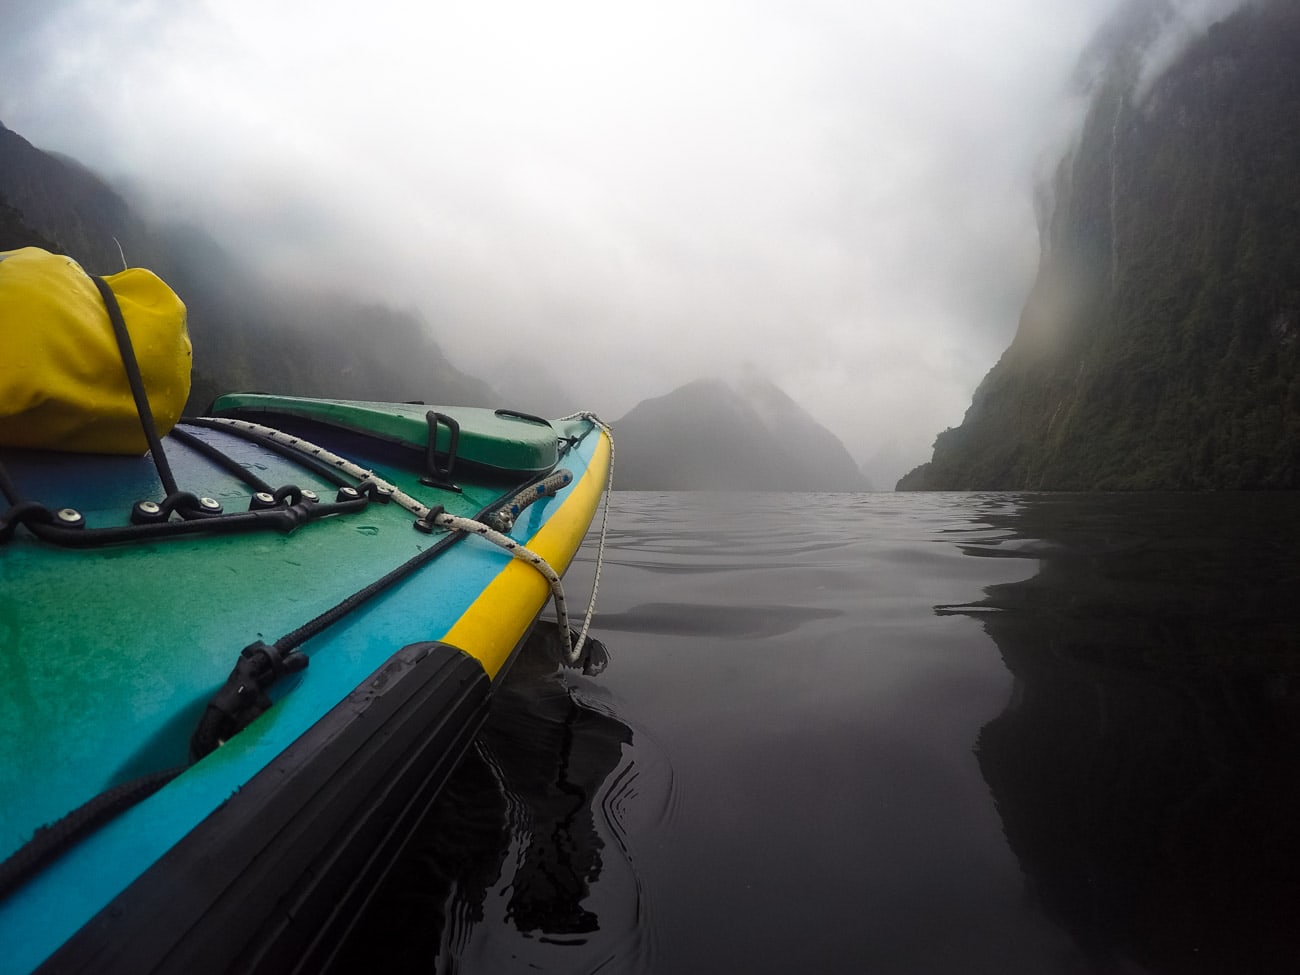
(379, 493)
(291, 494)
(429, 522)
(439, 475)
(243, 697)
(188, 506)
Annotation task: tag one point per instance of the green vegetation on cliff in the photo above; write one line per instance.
(1159, 347)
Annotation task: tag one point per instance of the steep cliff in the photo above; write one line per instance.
(1160, 344)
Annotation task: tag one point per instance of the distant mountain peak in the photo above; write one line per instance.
(739, 434)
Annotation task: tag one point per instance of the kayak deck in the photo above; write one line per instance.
(110, 654)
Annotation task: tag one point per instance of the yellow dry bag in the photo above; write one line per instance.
(63, 385)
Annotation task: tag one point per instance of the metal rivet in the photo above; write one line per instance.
(69, 516)
(149, 507)
(310, 496)
(212, 504)
(348, 492)
(265, 497)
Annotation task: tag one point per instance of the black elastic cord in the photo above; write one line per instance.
(243, 697)
(136, 382)
(281, 519)
(221, 459)
(27, 513)
(335, 613)
(326, 472)
(51, 840)
(315, 627)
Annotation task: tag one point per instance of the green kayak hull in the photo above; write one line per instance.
(116, 633)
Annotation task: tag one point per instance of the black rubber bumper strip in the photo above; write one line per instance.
(274, 878)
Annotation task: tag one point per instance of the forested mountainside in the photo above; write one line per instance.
(248, 333)
(1159, 346)
(714, 436)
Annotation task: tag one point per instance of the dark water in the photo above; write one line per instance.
(892, 734)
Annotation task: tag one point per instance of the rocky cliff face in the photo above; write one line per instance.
(1159, 347)
(713, 436)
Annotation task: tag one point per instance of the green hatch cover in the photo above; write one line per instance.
(501, 440)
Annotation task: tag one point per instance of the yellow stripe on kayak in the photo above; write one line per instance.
(491, 627)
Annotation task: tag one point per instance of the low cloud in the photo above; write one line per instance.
(840, 195)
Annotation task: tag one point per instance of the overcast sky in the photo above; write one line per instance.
(838, 193)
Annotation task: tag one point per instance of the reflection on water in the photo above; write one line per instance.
(553, 752)
(522, 829)
(1147, 767)
(895, 734)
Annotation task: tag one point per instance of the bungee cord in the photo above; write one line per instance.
(427, 518)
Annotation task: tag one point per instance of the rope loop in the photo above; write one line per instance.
(188, 505)
(24, 513)
(575, 649)
(288, 494)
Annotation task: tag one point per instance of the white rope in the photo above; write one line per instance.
(454, 522)
(576, 649)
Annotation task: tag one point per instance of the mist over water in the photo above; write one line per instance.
(901, 734)
(839, 196)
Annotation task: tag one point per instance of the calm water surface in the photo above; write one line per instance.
(893, 734)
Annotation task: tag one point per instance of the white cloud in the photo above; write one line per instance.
(839, 193)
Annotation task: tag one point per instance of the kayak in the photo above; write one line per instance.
(237, 669)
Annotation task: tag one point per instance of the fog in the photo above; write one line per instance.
(622, 198)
